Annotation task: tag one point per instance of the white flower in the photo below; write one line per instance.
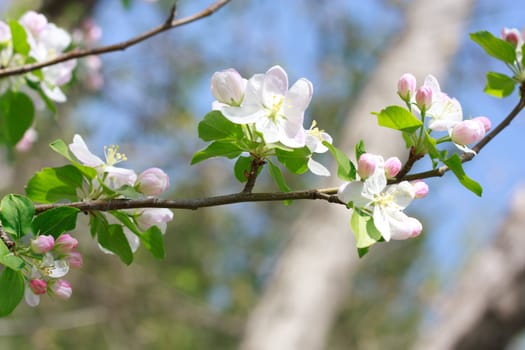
(386, 203)
(154, 216)
(116, 177)
(277, 111)
(444, 111)
(314, 141)
(228, 88)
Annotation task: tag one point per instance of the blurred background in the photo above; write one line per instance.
(149, 100)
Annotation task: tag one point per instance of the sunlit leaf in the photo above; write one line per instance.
(217, 149)
(51, 185)
(499, 85)
(454, 164)
(398, 118)
(495, 47)
(55, 221)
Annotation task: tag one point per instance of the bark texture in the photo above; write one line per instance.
(313, 274)
(487, 309)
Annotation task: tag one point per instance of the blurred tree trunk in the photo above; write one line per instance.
(487, 309)
(312, 276)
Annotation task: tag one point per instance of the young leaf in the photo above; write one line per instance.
(495, 47)
(345, 168)
(55, 221)
(499, 85)
(398, 118)
(241, 168)
(296, 160)
(217, 149)
(16, 214)
(430, 145)
(19, 37)
(364, 230)
(61, 148)
(11, 290)
(454, 164)
(113, 239)
(215, 126)
(359, 149)
(17, 113)
(7, 258)
(55, 184)
(277, 175)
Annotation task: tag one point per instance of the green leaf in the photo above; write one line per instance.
(295, 160)
(215, 126)
(430, 145)
(16, 214)
(362, 252)
(51, 185)
(19, 35)
(217, 149)
(55, 221)
(398, 118)
(366, 234)
(345, 168)
(7, 258)
(153, 239)
(495, 47)
(277, 175)
(454, 164)
(359, 149)
(129, 192)
(242, 168)
(11, 290)
(113, 239)
(499, 85)
(17, 113)
(61, 148)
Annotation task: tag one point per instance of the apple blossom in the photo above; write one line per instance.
(228, 88)
(153, 181)
(314, 141)
(444, 112)
(424, 97)
(513, 36)
(65, 243)
(487, 125)
(30, 297)
(420, 188)
(386, 203)
(392, 167)
(467, 132)
(406, 86)
(367, 164)
(42, 244)
(54, 268)
(75, 260)
(154, 216)
(38, 286)
(277, 111)
(62, 289)
(26, 142)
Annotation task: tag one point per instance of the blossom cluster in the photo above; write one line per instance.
(272, 112)
(151, 182)
(48, 260)
(46, 41)
(444, 112)
(371, 195)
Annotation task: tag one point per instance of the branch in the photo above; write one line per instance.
(78, 53)
(327, 194)
(466, 157)
(252, 174)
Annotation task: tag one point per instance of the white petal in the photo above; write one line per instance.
(353, 192)
(60, 269)
(317, 168)
(292, 135)
(31, 298)
(81, 151)
(401, 226)
(269, 129)
(380, 217)
(133, 240)
(403, 193)
(376, 183)
(298, 98)
(118, 177)
(53, 92)
(246, 114)
(433, 84)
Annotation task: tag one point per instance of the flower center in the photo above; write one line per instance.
(273, 111)
(113, 156)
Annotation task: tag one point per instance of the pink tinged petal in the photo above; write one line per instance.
(353, 192)
(401, 226)
(392, 167)
(487, 125)
(367, 164)
(275, 83)
(31, 298)
(445, 113)
(62, 289)
(53, 92)
(433, 84)
(317, 168)
(420, 188)
(228, 86)
(417, 227)
(75, 260)
(381, 222)
(81, 151)
(467, 132)
(153, 181)
(38, 286)
(376, 183)
(406, 86)
(42, 244)
(424, 97)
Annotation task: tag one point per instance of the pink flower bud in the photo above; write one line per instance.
(467, 132)
(62, 289)
(26, 142)
(366, 165)
(392, 167)
(38, 286)
(424, 97)
(153, 181)
(512, 35)
(75, 260)
(228, 87)
(42, 244)
(406, 85)
(485, 121)
(65, 243)
(420, 188)
(154, 216)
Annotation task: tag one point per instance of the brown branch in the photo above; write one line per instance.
(466, 157)
(10, 244)
(255, 165)
(327, 194)
(78, 53)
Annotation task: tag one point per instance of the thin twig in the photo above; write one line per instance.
(251, 176)
(327, 194)
(78, 53)
(10, 244)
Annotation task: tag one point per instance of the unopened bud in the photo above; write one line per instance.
(406, 85)
(392, 167)
(366, 165)
(42, 244)
(485, 121)
(62, 289)
(153, 181)
(467, 132)
(228, 87)
(65, 243)
(38, 286)
(424, 97)
(512, 35)
(420, 188)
